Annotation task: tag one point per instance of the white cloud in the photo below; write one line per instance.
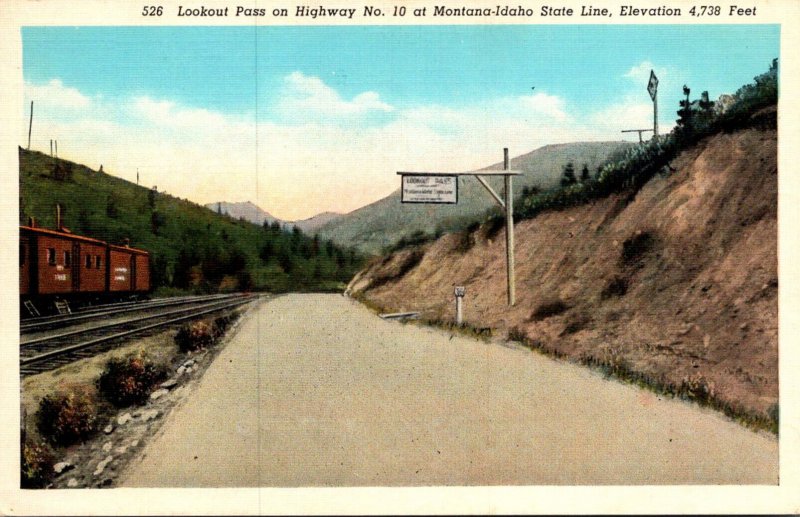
(313, 162)
(305, 97)
(54, 94)
(640, 73)
(169, 114)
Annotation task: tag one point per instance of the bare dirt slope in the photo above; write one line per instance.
(677, 283)
(314, 390)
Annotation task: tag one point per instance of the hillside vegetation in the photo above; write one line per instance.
(385, 222)
(662, 270)
(192, 248)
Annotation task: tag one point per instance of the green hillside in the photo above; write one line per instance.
(383, 223)
(192, 248)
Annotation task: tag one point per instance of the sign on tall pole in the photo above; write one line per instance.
(652, 89)
(442, 187)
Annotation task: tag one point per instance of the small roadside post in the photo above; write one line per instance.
(460, 291)
(442, 188)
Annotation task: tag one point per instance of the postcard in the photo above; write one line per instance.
(399, 257)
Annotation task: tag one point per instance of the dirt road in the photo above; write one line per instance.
(315, 390)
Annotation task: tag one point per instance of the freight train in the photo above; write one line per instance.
(58, 266)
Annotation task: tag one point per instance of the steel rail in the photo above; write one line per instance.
(97, 341)
(71, 333)
(64, 320)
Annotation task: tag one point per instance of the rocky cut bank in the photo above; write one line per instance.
(674, 284)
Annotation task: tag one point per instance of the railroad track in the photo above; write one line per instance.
(46, 353)
(45, 323)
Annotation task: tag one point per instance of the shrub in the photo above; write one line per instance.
(575, 323)
(548, 309)
(613, 362)
(128, 381)
(618, 286)
(466, 241)
(36, 469)
(494, 224)
(774, 415)
(636, 246)
(696, 387)
(517, 334)
(407, 263)
(222, 323)
(195, 336)
(417, 238)
(66, 418)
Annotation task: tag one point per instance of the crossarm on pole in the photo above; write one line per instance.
(491, 191)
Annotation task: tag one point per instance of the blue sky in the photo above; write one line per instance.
(291, 114)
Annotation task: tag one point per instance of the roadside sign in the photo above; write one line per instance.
(652, 85)
(424, 188)
(442, 187)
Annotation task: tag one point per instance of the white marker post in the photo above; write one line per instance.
(459, 292)
(442, 188)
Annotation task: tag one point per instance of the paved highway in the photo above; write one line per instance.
(314, 390)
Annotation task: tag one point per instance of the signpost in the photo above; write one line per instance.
(459, 291)
(442, 187)
(652, 89)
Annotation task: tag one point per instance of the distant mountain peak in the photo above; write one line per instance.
(247, 210)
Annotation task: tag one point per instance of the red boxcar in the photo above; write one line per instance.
(142, 283)
(52, 262)
(61, 264)
(129, 269)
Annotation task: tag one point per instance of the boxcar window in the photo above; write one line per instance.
(22, 252)
(98, 261)
(51, 256)
(67, 259)
(88, 261)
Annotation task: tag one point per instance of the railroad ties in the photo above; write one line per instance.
(50, 345)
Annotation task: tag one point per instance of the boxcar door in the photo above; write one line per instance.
(76, 267)
(133, 272)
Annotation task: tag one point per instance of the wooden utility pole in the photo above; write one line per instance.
(512, 291)
(655, 115)
(30, 126)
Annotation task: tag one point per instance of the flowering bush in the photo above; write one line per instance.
(129, 381)
(66, 418)
(195, 336)
(36, 467)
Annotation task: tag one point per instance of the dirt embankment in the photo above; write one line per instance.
(677, 283)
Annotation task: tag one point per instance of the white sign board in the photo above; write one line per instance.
(429, 189)
(652, 85)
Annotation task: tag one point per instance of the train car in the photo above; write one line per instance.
(129, 269)
(59, 265)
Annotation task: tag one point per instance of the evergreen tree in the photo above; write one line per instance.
(568, 177)
(585, 173)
